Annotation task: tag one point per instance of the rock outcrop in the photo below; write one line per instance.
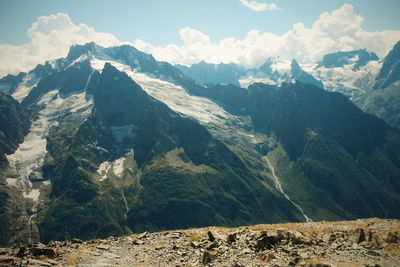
(369, 242)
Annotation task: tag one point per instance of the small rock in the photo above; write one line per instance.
(7, 260)
(393, 237)
(52, 262)
(235, 264)
(266, 242)
(231, 238)
(304, 255)
(267, 257)
(210, 236)
(137, 242)
(194, 244)
(222, 249)
(207, 258)
(76, 241)
(357, 236)
(175, 235)
(103, 247)
(213, 245)
(39, 263)
(142, 235)
(49, 252)
(22, 252)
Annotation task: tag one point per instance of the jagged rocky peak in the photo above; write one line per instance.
(294, 65)
(390, 71)
(77, 50)
(359, 58)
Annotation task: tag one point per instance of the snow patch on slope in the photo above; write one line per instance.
(247, 81)
(117, 166)
(25, 87)
(174, 96)
(344, 79)
(30, 154)
(219, 122)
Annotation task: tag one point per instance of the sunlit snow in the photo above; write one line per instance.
(220, 122)
(30, 154)
(117, 168)
(345, 79)
(25, 87)
(174, 96)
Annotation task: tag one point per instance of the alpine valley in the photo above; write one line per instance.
(109, 141)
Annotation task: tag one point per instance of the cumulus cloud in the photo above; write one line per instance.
(257, 6)
(50, 38)
(339, 30)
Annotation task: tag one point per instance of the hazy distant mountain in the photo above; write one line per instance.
(207, 73)
(356, 58)
(226, 74)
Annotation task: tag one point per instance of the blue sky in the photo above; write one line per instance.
(245, 32)
(158, 22)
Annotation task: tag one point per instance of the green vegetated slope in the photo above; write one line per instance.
(335, 160)
(180, 176)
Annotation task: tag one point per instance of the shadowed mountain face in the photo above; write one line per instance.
(177, 175)
(328, 150)
(390, 71)
(359, 58)
(384, 100)
(122, 143)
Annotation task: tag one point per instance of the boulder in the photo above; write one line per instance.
(46, 251)
(393, 237)
(210, 236)
(357, 236)
(206, 258)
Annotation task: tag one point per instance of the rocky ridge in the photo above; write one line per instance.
(368, 242)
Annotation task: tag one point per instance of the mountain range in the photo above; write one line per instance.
(110, 141)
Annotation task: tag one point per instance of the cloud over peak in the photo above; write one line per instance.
(257, 6)
(50, 38)
(339, 30)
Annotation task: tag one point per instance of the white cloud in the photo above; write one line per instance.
(341, 29)
(50, 38)
(338, 30)
(256, 6)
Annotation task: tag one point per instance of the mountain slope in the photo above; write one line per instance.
(383, 99)
(329, 151)
(223, 74)
(15, 121)
(172, 174)
(123, 143)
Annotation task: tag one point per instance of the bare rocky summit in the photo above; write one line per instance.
(369, 242)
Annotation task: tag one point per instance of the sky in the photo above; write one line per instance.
(246, 32)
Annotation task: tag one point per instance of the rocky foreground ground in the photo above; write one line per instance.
(370, 242)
